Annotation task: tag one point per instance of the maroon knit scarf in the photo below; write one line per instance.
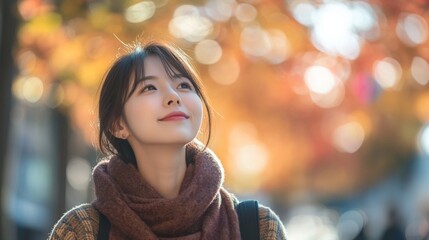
(202, 210)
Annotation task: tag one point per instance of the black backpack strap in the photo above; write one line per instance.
(103, 227)
(248, 217)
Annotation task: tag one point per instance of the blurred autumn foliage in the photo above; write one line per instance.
(326, 97)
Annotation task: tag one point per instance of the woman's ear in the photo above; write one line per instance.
(120, 130)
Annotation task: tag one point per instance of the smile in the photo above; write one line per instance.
(174, 116)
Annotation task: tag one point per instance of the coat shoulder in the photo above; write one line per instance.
(270, 225)
(81, 222)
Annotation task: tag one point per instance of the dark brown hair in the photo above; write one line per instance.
(115, 91)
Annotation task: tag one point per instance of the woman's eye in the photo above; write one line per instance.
(148, 88)
(185, 85)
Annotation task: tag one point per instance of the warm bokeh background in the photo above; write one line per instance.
(321, 106)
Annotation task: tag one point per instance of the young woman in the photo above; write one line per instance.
(158, 182)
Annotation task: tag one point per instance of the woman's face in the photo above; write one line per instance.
(161, 110)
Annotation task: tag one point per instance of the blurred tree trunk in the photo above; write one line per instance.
(8, 28)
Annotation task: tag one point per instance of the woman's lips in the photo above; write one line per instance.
(174, 116)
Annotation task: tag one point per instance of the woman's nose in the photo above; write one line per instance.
(172, 99)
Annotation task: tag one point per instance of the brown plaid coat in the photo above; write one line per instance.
(82, 222)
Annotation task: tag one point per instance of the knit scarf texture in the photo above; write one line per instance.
(202, 210)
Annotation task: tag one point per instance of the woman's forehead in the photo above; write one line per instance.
(153, 65)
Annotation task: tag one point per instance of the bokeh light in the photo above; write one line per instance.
(78, 173)
(219, 10)
(424, 139)
(333, 31)
(412, 29)
(280, 47)
(188, 24)
(319, 79)
(364, 17)
(387, 73)
(348, 137)
(312, 222)
(326, 90)
(337, 27)
(350, 224)
(140, 12)
(226, 71)
(304, 12)
(245, 12)
(208, 52)
(255, 41)
(28, 88)
(420, 70)
(32, 89)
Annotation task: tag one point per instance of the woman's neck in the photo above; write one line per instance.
(163, 168)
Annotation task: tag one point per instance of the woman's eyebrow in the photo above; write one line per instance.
(150, 77)
(145, 78)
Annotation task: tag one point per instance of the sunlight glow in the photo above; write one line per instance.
(78, 173)
(32, 89)
(420, 70)
(250, 156)
(225, 71)
(219, 10)
(304, 12)
(364, 17)
(387, 73)
(319, 79)
(337, 27)
(271, 45)
(348, 137)
(280, 48)
(333, 31)
(189, 24)
(245, 12)
(330, 99)
(312, 222)
(208, 52)
(412, 29)
(424, 139)
(140, 12)
(326, 89)
(255, 41)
